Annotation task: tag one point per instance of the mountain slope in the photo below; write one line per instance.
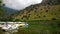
(39, 13)
(49, 11)
(50, 2)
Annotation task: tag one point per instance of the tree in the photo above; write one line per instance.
(1, 11)
(1, 8)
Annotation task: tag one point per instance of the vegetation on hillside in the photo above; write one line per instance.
(1, 9)
(39, 13)
(47, 10)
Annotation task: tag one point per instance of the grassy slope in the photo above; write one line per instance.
(40, 28)
(39, 13)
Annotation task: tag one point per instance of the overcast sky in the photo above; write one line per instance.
(20, 4)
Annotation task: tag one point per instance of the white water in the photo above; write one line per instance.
(20, 4)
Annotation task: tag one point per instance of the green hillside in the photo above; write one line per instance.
(47, 10)
(1, 9)
(39, 13)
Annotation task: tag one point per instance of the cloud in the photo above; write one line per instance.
(20, 4)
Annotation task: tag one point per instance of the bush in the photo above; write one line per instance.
(17, 20)
(53, 18)
(0, 1)
(46, 10)
(44, 16)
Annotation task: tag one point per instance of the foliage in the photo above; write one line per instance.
(1, 8)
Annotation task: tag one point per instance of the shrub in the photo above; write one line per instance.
(44, 16)
(46, 10)
(0, 1)
(53, 18)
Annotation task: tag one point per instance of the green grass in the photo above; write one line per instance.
(38, 28)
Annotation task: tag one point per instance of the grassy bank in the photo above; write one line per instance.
(43, 27)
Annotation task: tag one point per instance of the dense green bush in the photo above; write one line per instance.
(54, 19)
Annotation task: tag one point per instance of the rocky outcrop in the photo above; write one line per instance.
(50, 2)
